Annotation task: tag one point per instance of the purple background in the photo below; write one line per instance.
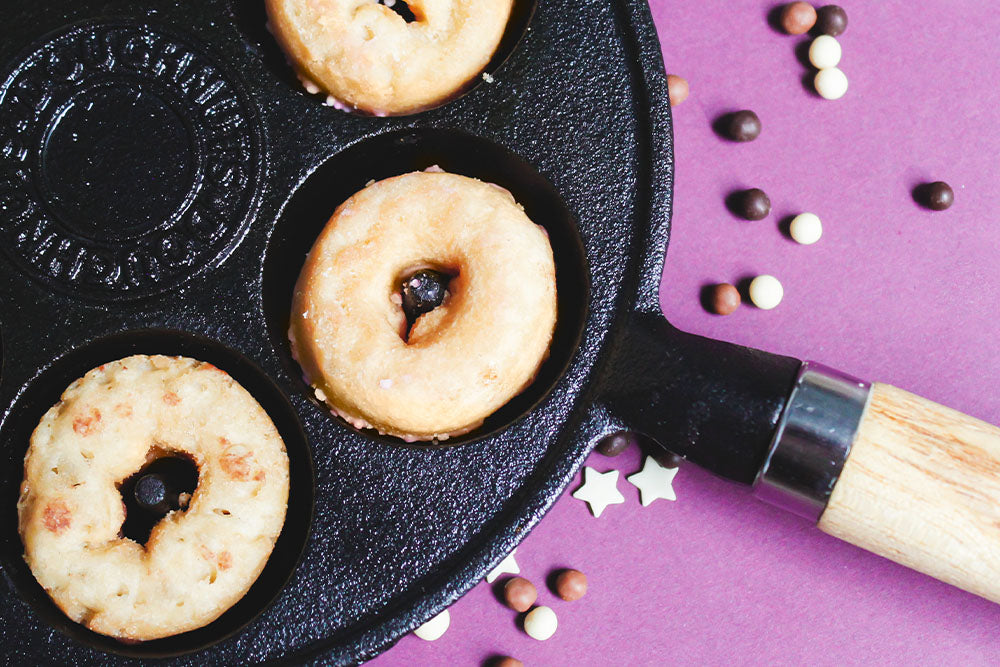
(891, 292)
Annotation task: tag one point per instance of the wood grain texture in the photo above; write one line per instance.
(922, 487)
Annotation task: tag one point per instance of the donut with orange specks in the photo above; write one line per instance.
(198, 560)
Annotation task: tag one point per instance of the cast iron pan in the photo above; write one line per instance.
(162, 176)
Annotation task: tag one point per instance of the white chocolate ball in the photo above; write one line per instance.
(831, 83)
(540, 623)
(825, 52)
(766, 292)
(435, 627)
(806, 228)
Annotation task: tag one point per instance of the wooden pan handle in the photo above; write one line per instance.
(921, 486)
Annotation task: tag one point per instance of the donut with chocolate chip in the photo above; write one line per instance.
(206, 549)
(385, 354)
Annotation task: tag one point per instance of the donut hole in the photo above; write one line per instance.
(402, 9)
(164, 484)
(420, 292)
(311, 205)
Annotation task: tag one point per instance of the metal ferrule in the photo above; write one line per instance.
(813, 440)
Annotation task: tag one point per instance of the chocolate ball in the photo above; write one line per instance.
(668, 459)
(519, 594)
(742, 125)
(422, 292)
(798, 18)
(752, 204)
(541, 623)
(504, 661)
(616, 443)
(725, 299)
(938, 196)
(831, 83)
(677, 89)
(571, 585)
(831, 20)
(766, 292)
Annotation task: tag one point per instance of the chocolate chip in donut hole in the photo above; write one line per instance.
(421, 292)
(401, 8)
(165, 484)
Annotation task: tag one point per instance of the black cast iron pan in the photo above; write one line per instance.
(162, 176)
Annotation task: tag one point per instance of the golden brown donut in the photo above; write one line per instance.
(365, 56)
(198, 562)
(463, 360)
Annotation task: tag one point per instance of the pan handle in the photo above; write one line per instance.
(893, 473)
(873, 465)
(921, 486)
(714, 403)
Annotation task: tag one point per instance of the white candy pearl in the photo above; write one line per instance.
(766, 292)
(831, 83)
(540, 623)
(825, 52)
(806, 228)
(434, 628)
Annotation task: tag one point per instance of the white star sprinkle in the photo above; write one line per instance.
(507, 566)
(654, 481)
(599, 490)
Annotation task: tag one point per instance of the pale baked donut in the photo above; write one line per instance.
(464, 359)
(366, 56)
(198, 562)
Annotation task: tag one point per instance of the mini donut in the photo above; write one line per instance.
(197, 562)
(461, 361)
(366, 56)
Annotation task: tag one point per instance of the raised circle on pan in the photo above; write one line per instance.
(251, 18)
(133, 160)
(312, 203)
(43, 391)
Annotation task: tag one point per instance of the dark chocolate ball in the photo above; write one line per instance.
(616, 443)
(725, 299)
(742, 125)
(571, 585)
(752, 204)
(519, 594)
(939, 196)
(150, 491)
(423, 292)
(831, 20)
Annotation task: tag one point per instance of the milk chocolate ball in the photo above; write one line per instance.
(571, 585)
(798, 18)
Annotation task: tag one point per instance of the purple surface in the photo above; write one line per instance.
(891, 293)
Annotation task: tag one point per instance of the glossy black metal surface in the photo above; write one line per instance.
(713, 403)
(189, 245)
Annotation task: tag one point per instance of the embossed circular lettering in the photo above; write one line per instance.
(129, 160)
